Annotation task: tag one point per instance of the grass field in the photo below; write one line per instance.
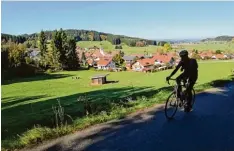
(29, 101)
(107, 46)
(152, 49)
(210, 46)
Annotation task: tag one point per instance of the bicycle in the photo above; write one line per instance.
(178, 102)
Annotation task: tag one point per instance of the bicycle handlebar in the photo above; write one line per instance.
(170, 79)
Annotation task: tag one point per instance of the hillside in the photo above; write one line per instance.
(219, 38)
(82, 35)
(107, 46)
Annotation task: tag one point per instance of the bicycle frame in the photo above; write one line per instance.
(184, 84)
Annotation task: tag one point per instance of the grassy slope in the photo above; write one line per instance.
(26, 102)
(151, 49)
(210, 46)
(108, 46)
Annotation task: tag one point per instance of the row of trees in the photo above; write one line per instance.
(60, 55)
(84, 35)
(16, 39)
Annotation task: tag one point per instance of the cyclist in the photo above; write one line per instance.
(189, 67)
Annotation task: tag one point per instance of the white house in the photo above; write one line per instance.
(105, 64)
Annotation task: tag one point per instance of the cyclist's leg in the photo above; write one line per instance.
(178, 81)
(189, 92)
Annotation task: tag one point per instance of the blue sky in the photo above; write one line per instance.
(153, 20)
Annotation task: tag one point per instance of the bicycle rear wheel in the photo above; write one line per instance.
(171, 106)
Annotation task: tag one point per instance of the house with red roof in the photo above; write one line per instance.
(105, 64)
(206, 55)
(149, 63)
(164, 58)
(143, 64)
(220, 56)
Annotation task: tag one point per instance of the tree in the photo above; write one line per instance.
(121, 53)
(91, 36)
(63, 46)
(54, 54)
(133, 43)
(118, 60)
(161, 43)
(33, 43)
(83, 59)
(196, 56)
(43, 48)
(27, 44)
(118, 47)
(140, 44)
(218, 52)
(167, 47)
(103, 37)
(16, 54)
(72, 60)
(4, 57)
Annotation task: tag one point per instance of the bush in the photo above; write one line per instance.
(49, 71)
(196, 56)
(118, 47)
(28, 60)
(111, 70)
(207, 58)
(92, 69)
(218, 52)
(124, 69)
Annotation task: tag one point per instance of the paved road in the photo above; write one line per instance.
(209, 127)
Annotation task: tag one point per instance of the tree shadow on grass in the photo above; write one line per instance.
(38, 77)
(10, 101)
(18, 119)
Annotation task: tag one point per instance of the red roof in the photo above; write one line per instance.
(146, 62)
(104, 61)
(90, 61)
(163, 58)
(203, 54)
(97, 53)
(219, 56)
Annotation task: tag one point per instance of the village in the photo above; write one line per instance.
(98, 59)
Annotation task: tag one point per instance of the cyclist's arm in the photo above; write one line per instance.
(176, 69)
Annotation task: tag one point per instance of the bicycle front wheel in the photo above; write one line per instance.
(171, 106)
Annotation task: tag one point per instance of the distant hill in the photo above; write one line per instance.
(219, 38)
(83, 35)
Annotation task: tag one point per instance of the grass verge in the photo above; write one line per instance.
(39, 134)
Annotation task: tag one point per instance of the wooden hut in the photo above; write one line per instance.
(99, 79)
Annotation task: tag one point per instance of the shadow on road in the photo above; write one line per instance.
(210, 127)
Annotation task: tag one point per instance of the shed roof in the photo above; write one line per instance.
(99, 76)
(128, 57)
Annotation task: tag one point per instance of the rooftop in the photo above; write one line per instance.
(128, 57)
(99, 76)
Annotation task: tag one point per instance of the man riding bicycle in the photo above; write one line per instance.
(189, 67)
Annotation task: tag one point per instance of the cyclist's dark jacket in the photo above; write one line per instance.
(189, 68)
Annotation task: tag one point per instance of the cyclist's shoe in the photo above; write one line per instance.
(187, 108)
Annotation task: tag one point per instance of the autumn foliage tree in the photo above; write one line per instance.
(167, 47)
(118, 59)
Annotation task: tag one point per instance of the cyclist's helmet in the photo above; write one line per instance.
(183, 53)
